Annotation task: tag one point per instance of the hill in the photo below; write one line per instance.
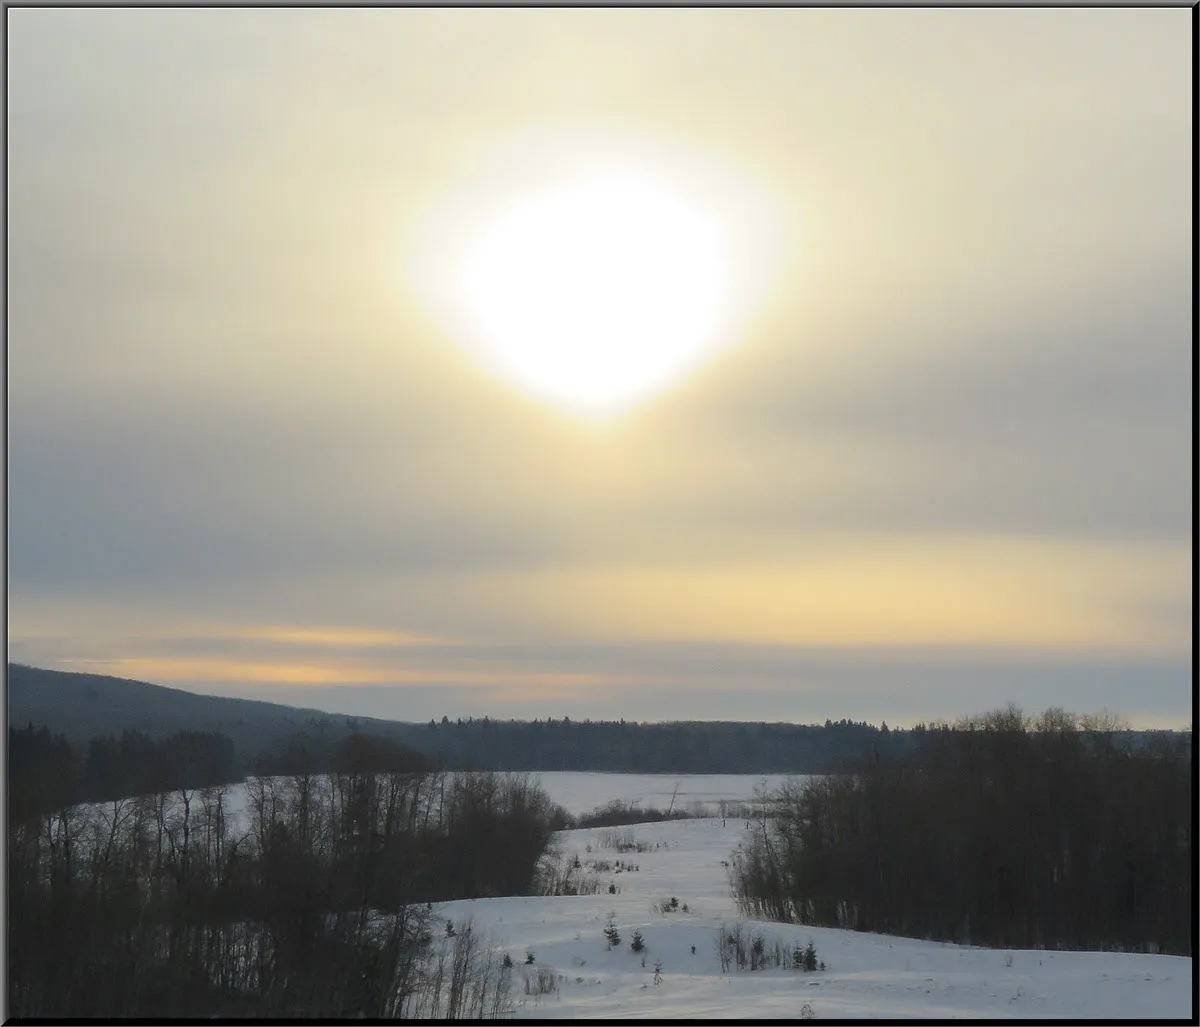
(82, 706)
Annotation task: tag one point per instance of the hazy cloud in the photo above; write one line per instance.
(225, 404)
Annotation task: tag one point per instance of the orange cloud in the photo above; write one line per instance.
(332, 636)
(518, 683)
(869, 591)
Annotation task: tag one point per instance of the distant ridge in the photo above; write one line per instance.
(82, 706)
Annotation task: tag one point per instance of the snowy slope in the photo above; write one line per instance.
(867, 976)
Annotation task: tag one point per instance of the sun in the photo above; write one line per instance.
(594, 270)
(595, 293)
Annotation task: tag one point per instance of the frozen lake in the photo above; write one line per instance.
(704, 793)
(700, 794)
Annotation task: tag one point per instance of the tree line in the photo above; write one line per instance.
(1000, 830)
(46, 770)
(135, 761)
(155, 905)
(680, 747)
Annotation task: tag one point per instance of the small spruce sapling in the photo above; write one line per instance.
(637, 944)
(611, 935)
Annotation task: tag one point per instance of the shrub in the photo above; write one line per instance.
(559, 875)
(743, 950)
(543, 982)
(637, 944)
(617, 814)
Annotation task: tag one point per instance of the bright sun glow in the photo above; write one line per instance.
(598, 292)
(595, 269)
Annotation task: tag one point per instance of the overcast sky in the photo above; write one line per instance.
(943, 463)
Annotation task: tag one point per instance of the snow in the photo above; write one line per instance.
(868, 975)
(582, 793)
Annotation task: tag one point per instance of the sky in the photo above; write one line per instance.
(933, 455)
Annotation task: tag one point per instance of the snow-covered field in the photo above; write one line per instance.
(867, 975)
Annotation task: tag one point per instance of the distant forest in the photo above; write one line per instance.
(95, 712)
(47, 770)
(680, 747)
